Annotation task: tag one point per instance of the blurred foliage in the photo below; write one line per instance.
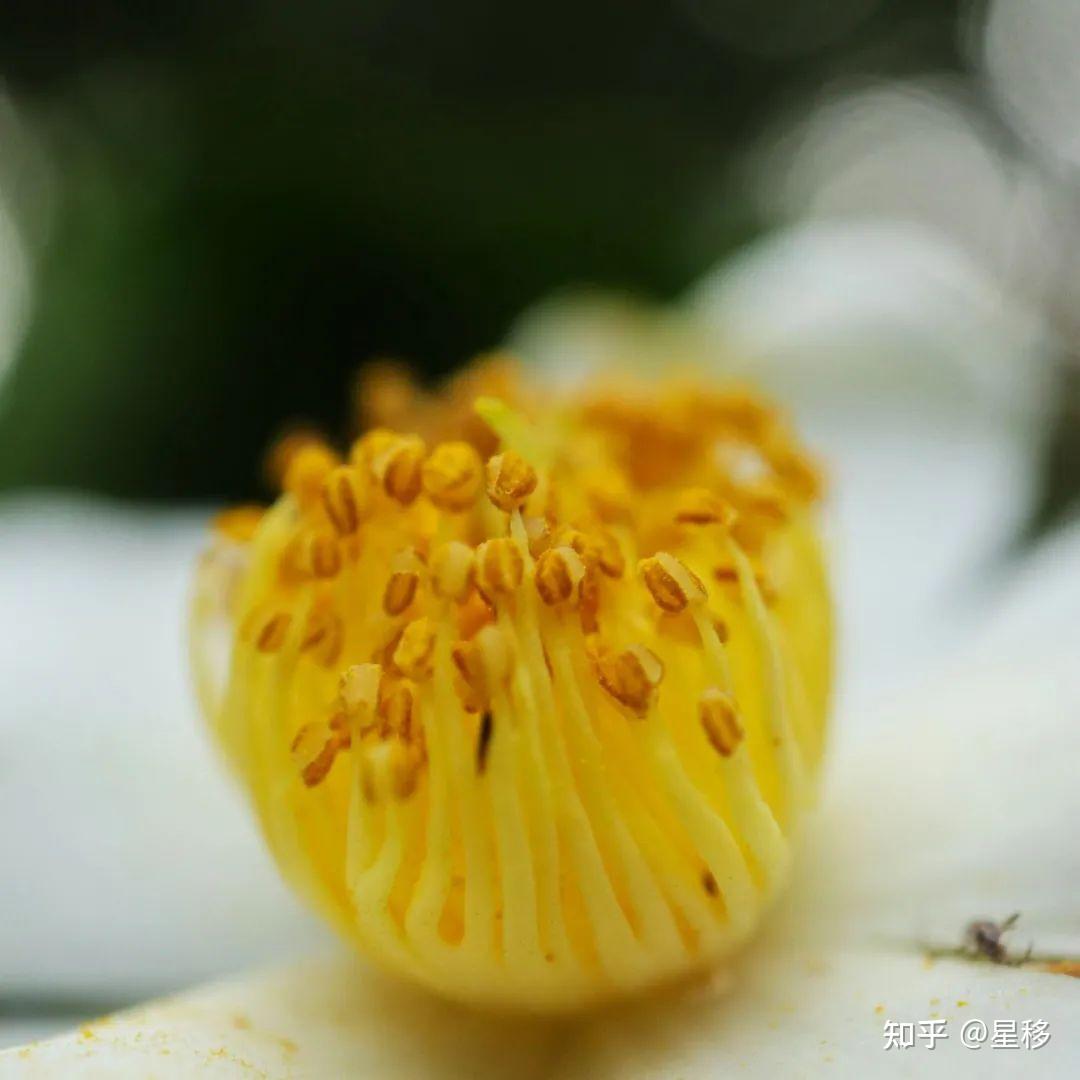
(251, 198)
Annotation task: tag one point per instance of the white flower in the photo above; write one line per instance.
(950, 795)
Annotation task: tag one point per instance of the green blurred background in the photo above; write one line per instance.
(227, 206)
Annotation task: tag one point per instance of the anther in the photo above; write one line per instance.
(404, 579)
(451, 476)
(271, 635)
(345, 497)
(415, 649)
(599, 549)
(700, 506)
(315, 749)
(720, 721)
(492, 655)
(630, 677)
(499, 566)
(358, 689)
(399, 468)
(452, 569)
(306, 470)
(318, 555)
(672, 584)
(371, 446)
(559, 572)
(323, 636)
(396, 711)
(510, 480)
(589, 602)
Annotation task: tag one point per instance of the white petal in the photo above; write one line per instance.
(130, 865)
(320, 1019)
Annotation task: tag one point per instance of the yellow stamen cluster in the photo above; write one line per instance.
(529, 696)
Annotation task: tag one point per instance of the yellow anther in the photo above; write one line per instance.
(306, 470)
(396, 711)
(358, 689)
(400, 590)
(323, 636)
(499, 566)
(283, 449)
(399, 468)
(415, 649)
(318, 555)
(451, 476)
(672, 584)
(700, 506)
(599, 549)
(238, 523)
(345, 496)
(466, 659)
(452, 568)
(720, 721)
(272, 633)
(761, 499)
(371, 446)
(559, 572)
(630, 677)
(510, 480)
(589, 602)
(315, 748)
(394, 767)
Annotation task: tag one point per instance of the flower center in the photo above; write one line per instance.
(574, 652)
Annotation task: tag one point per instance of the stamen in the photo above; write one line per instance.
(271, 635)
(451, 476)
(630, 677)
(404, 579)
(452, 570)
(700, 506)
(306, 471)
(323, 636)
(415, 649)
(396, 710)
(399, 468)
(315, 749)
(319, 555)
(559, 572)
(720, 721)
(499, 566)
(599, 549)
(345, 497)
(510, 480)
(672, 584)
(358, 689)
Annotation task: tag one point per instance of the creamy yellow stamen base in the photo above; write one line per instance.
(529, 699)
